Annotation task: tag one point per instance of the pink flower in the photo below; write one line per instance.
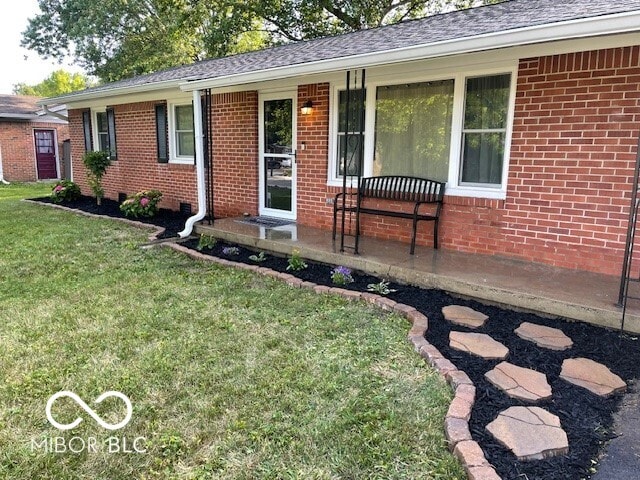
(144, 201)
(58, 188)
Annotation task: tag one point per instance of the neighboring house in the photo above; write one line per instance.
(528, 109)
(31, 141)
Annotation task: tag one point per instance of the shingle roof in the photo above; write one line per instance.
(502, 17)
(18, 105)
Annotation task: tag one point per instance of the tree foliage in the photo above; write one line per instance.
(58, 83)
(114, 39)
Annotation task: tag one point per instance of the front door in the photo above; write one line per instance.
(277, 155)
(46, 162)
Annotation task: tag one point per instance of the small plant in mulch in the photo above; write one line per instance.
(96, 164)
(261, 257)
(381, 288)
(65, 191)
(341, 275)
(142, 204)
(206, 242)
(296, 262)
(229, 251)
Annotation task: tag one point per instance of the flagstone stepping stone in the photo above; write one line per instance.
(593, 376)
(465, 316)
(518, 382)
(531, 433)
(546, 337)
(479, 344)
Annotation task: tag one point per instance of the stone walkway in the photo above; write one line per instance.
(530, 432)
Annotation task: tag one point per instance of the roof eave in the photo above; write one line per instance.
(112, 92)
(574, 29)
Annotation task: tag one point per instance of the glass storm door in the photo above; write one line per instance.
(277, 155)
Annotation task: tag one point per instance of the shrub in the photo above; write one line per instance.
(142, 204)
(206, 241)
(231, 251)
(65, 191)
(381, 288)
(96, 163)
(296, 262)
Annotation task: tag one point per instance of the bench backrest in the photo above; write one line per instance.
(403, 188)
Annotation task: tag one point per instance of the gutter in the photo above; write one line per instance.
(54, 114)
(199, 154)
(621, 23)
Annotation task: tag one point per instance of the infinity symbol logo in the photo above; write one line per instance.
(88, 409)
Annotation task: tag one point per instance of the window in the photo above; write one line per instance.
(350, 126)
(454, 129)
(105, 132)
(183, 139)
(102, 132)
(413, 129)
(484, 130)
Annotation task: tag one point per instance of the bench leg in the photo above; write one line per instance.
(335, 215)
(435, 234)
(413, 237)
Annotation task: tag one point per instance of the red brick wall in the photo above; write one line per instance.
(235, 153)
(137, 167)
(574, 146)
(18, 149)
(313, 133)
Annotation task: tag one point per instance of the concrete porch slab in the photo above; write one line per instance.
(514, 283)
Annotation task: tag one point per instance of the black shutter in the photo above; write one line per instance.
(161, 133)
(86, 126)
(111, 132)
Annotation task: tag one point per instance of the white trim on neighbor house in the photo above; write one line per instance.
(454, 186)
(573, 29)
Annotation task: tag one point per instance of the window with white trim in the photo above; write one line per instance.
(181, 133)
(452, 129)
(484, 129)
(101, 142)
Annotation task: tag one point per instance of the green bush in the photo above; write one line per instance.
(142, 204)
(97, 164)
(65, 191)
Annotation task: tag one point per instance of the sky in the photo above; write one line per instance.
(20, 65)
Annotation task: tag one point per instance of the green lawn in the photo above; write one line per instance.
(231, 375)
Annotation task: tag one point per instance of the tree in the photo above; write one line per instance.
(114, 39)
(96, 163)
(58, 83)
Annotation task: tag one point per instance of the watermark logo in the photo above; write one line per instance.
(80, 444)
(89, 410)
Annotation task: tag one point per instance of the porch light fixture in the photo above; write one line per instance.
(307, 108)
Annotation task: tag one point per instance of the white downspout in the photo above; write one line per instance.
(54, 114)
(2, 180)
(199, 153)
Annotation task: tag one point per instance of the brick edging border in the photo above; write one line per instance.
(456, 424)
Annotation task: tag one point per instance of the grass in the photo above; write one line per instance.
(231, 375)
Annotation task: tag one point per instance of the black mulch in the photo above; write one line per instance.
(586, 418)
(173, 222)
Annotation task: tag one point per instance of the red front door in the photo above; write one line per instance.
(45, 154)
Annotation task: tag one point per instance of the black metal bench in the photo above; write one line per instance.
(419, 191)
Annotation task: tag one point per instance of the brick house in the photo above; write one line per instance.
(528, 109)
(30, 140)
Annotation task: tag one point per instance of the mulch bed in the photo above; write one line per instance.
(586, 418)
